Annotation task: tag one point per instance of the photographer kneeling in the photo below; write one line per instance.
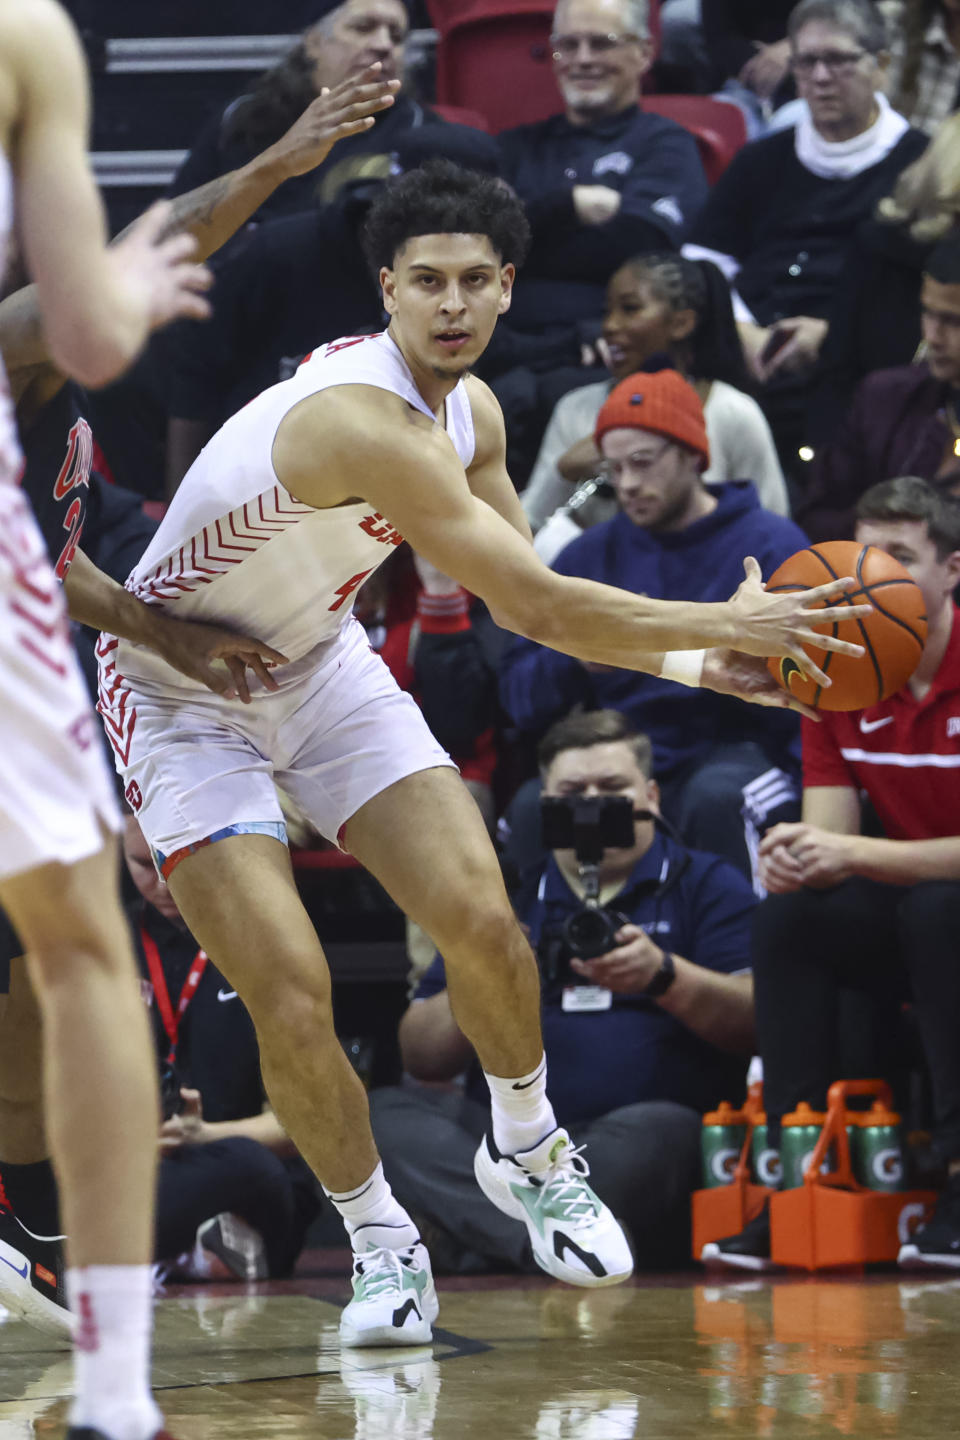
(641, 1038)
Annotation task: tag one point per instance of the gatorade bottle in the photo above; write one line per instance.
(721, 1141)
(798, 1138)
(878, 1149)
(765, 1162)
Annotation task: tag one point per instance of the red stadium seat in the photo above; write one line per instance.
(457, 116)
(719, 128)
(494, 56)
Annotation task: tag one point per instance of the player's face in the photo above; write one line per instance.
(445, 294)
(909, 542)
(598, 61)
(607, 769)
(656, 480)
(354, 36)
(636, 324)
(940, 306)
(143, 873)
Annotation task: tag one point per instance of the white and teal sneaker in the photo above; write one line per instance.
(574, 1236)
(394, 1302)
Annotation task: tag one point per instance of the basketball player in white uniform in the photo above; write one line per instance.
(57, 857)
(281, 518)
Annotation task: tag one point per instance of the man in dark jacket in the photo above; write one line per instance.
(904, 421)
(601, 180)
(724, 773)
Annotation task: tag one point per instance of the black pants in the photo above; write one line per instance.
(275, 1194)
(644, 1162)
(831, 968)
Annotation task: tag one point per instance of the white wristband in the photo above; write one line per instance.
(683, 666)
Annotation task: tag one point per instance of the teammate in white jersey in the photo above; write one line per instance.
(278, 522)
(57, 856)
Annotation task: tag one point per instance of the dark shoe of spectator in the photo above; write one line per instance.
(938, 1242)
(228, 1248)
(31, 1278)
(750, 1250)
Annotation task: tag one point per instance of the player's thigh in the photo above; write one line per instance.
(426, 842)
(239, 899)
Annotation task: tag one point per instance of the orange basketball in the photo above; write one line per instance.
(893, 635)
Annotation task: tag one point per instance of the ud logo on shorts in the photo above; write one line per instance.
(133, 795)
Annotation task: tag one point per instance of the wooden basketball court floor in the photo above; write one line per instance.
(663, 1357)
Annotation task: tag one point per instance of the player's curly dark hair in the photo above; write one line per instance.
(441, 198)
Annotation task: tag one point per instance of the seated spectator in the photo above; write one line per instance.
(343, 39)
(661, 309)
(289, 285)
(904, 421)
(780, 219)
(875, 915)
(886, 259)
(923, 81)
(725, 771)
(602, 181)
(638, 1040)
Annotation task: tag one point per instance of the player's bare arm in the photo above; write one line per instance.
(215, 211)
(211, 654)
(211, 214)
(98, 306)
(356, 436)
(487, 476)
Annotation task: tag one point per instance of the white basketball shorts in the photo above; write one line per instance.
(198, 768)
(56, 792)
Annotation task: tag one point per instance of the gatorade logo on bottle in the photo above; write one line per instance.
(805, 1162)
(723, 1163)
(887, 1166)
(769, 1168)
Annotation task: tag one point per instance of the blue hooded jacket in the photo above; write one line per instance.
(702, 562)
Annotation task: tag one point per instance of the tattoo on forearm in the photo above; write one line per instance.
(197, 207)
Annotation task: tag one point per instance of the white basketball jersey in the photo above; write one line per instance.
(237, 549)
(11, 459)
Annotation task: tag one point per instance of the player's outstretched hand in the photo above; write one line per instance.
(345, 110)
(158, 278)
(781, 624)
(216, 657)
(746, 676)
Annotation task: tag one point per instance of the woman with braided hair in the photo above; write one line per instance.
(663, 312)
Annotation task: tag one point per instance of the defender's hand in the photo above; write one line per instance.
(161, 281)
(193, 647)
(347, 109)
(781, 624)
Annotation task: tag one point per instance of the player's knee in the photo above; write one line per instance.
(290, 992)
(484, 925)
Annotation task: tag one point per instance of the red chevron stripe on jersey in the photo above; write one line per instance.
(223, 543)
(119, 717)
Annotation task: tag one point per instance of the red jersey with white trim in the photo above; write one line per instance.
(11, 460)
(904, 753)
(236, 548)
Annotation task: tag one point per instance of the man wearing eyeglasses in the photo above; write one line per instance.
(781, 218)
(602, 181)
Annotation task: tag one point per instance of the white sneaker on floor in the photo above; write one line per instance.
(394, 1300)
(574, 1236)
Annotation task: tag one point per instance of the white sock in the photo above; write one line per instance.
(113, 1306)
(520, 1112)
(373, 1216)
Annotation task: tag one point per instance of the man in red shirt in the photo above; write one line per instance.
(878, 916)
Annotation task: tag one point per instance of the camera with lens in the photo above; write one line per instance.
(170, 1099)
(588, 825)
